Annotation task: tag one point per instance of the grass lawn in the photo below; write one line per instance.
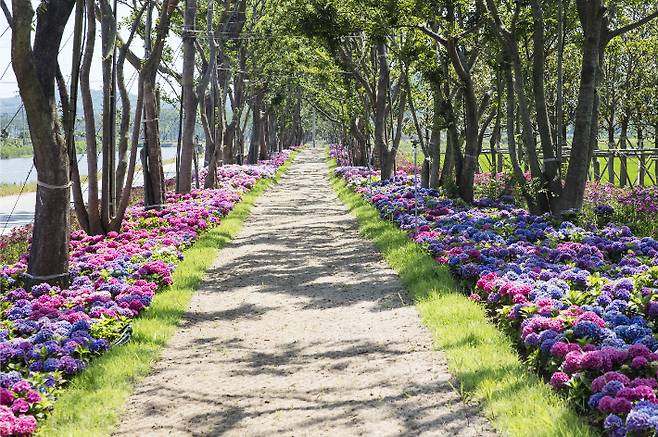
(92, 403)
(7, 189)
(480, 356)
(633, 164)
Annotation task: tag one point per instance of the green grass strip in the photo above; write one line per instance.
(92, 403)
(479, 355)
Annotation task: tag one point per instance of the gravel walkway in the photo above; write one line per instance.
(300, 330)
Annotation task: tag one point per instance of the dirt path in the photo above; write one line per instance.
(300, 330)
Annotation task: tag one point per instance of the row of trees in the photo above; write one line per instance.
(537, 75)
(543, 76)
(229, 88)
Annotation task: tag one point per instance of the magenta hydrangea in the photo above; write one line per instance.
(52, 333)
(580, 300)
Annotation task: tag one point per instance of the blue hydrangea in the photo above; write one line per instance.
(631, 333)
(50, 364)
(99, 345)
(612, 422)
(612, 387)
(587, 329)
(616, 318)
(593, 401)
(546, 346)
(531, 339)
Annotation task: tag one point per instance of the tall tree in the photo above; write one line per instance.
(190, 101)
(35, 65)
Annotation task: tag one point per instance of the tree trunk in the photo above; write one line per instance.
(591, 17)
(229, 139)
(511, 140)
(154, 188)
(359, 154)
(190, 102)
(559, 99)
(124, 125)
(210, 144)
(434, 146)
(623, 143)
(642, 157)
(35, 70)
(108, 187)
(93, 207)
(381, 148)
(471, 148)
(551, 173)
(262, 136)
(512, 60)
(254, 144)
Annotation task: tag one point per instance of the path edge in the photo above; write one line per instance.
(479, 356)
(93, 403)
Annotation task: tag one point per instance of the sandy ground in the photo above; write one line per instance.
(300, 329)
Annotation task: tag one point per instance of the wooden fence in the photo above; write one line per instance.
(622, 167)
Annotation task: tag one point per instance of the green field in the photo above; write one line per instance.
(15, 148)
(405, 152)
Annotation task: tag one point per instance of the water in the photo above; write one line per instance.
(15, 170)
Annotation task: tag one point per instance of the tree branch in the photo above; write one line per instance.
(631, 26)
(348, 64)
(136, 61)
(328, 116)
(429, 32)
(8, 16)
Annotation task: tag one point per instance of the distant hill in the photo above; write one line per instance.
(10, 105)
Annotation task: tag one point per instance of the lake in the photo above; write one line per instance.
(15, 170)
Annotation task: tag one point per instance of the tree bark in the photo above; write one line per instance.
(93, 206)
(154, 187)
(471, 119)
(189, 100)
(623, 161)
(152, 164)
(511, 139)
(108, 181)
(36, 68)
(383, 80)
(551, 164)
(592, 17)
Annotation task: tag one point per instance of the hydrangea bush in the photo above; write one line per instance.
(48, 334)
(635, 206)
(580, 301)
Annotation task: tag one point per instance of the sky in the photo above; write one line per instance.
(8, 85)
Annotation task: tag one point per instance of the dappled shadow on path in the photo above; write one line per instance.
(300, 328)
(324, 261)
(338, 393)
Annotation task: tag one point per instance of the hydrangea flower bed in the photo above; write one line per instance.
(581, 302)
(48, 334)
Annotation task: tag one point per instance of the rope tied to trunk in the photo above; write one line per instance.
(54, 187)
(45, 278)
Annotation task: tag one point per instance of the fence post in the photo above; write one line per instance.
(623, 161)
(643, 160)
(611, 166)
